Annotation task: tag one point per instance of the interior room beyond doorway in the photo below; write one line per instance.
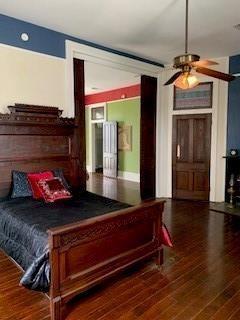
(112, 122)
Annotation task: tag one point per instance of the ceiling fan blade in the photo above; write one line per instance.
(173, 78)
(204, 63)
(215, 74)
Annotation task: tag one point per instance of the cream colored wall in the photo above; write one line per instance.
(32, 78)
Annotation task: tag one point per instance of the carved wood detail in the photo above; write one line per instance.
(102, 229)
(36, 138)
(32, 114)
(86, 253)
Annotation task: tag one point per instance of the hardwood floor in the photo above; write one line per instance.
(121, 190)
(200, 278)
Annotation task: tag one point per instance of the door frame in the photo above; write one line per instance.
(174, 142)
(102, 57)
(105, 58)
(92, 158)
(218, 134)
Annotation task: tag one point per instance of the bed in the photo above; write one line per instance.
(86, 248)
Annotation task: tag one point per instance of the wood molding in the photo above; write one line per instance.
(148, 137)
(79, 140)
(34, 114)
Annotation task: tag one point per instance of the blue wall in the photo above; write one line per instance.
(45, 40)
(233, 132)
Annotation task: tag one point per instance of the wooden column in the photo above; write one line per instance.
(79, 139)
(148, 137)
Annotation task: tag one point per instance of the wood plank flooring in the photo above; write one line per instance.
(200, 278)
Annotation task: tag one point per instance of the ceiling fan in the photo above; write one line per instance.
(187, 62)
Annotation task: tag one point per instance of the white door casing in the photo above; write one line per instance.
(165, 113)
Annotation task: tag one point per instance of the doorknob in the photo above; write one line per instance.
(178, 151)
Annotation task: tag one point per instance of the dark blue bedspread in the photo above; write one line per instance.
(23, 230)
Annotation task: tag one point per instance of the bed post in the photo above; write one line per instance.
(78, 152)
(57, 312)
(158, 236)
(58, 308)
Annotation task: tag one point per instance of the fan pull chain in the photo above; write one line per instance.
(186, 28)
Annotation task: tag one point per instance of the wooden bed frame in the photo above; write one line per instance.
(35, 138)
(84, 254)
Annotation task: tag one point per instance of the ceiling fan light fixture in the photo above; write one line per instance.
(186, 81)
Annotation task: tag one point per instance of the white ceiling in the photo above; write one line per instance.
(100, 78)
(153, 29)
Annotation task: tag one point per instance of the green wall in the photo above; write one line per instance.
(127, 112)
(124, 112)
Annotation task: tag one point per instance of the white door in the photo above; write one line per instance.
(110, 149)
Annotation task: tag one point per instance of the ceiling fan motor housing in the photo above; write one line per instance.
(185, 59)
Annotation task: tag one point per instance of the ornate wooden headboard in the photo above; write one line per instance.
(36, 138)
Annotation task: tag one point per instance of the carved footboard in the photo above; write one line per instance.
(85, 253)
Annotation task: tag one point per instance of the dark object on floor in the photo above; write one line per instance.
(224, 207)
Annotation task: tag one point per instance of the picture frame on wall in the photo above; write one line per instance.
(199, 97)
(125, 138)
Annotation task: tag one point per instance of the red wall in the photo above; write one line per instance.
(117, 94)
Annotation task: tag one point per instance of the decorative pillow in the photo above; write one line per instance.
(59, 173)
(53, 189)
(33, 179)
(166, 238)
(21, 186)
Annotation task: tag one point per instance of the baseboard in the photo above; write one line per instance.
(131, 176)
(124, 175)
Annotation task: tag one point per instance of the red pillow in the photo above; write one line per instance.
(53, 189)
(33, 179)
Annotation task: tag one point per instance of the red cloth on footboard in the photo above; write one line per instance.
(166, 238)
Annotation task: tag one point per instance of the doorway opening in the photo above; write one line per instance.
(95, 121)
(113, 109)
(98, 146)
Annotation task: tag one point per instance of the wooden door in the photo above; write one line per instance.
(110, 147)
(191, 156)
(148, 137)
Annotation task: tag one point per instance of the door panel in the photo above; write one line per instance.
(183, 140)
(199, 127)
(191, 156)
(182, 181)
(110, 149)
(199, 181)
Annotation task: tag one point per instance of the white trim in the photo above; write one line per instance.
(130, 176)
(31, 51)
(92, 160)
(218, 137)
(87, 53)
(115, 61)
(98, 105)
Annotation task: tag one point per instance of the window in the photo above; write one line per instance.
(97, 113)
